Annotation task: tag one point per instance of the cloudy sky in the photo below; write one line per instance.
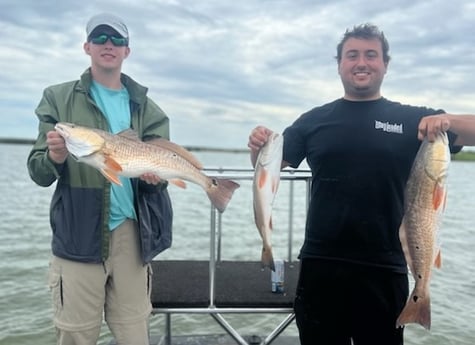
(219, 68)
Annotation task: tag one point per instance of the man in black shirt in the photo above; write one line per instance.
(353, 280)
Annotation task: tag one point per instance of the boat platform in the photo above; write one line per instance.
(218, 288)
(229, 287)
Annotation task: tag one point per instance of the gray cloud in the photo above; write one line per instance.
(219, 68)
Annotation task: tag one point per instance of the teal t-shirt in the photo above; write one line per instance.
(115, 106)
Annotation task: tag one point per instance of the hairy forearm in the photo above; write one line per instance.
(464, 127)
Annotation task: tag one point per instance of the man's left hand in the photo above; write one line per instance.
(150, 178)
(431, 125)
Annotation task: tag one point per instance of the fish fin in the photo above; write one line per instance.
(267, 259)
(111, 176)
(112, 164)
(129, 134)
(220, 192)
(262, 178)
(438, 260)
(416, 310)
(438, 197)
(405, 244)
(254, 209)
(445, 200)
(179, 150)
(178, 183)
(275, 184)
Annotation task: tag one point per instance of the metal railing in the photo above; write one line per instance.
(216, 231)
(290, 175)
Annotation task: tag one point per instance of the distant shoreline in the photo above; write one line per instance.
(19, 141)
(464, 156)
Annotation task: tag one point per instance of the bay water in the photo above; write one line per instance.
(25, 308)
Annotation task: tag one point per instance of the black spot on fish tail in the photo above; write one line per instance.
(415, 298)
(214, 181)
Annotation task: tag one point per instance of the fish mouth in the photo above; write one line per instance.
(443, 136)
(61, 130)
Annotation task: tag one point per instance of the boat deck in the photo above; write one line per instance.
(237, 284)
(240, 287)
(225, 287)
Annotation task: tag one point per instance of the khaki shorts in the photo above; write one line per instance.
(119, 289)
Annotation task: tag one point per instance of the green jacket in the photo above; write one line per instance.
(79, 211)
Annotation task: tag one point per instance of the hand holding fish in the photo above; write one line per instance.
(57, 150)
(150, 178)
(430, 126)
(258, 137)
(461, 125)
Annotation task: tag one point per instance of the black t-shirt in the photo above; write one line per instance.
(360, 154)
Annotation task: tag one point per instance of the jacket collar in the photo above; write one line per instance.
(137, 92)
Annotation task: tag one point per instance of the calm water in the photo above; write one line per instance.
(25, 313)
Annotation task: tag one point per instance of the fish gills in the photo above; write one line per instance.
(265, 185)
(424, 204)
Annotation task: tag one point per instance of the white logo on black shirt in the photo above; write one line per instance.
(388, 127)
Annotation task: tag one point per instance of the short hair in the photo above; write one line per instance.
(367, 32)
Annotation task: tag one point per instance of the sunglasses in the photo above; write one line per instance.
(116, 41)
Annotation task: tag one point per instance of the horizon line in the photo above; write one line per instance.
(24, 141)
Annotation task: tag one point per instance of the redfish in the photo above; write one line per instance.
(265, 185)
(126, 155)
(424, 204)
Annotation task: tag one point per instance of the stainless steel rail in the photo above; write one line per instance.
(288, 175)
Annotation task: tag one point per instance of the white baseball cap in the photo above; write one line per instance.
(108, 19)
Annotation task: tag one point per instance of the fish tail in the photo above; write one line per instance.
(220, 192)
(267, 258)
(417, 310)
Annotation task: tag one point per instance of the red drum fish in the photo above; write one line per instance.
(126, 155)
(424, 204)
(265, 186)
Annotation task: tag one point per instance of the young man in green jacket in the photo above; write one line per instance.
(104, 236)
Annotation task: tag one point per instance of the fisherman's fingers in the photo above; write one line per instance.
(430, 126)
(150, 178)
(57, 150)
(258, 137)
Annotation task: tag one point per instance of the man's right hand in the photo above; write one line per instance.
(257, 139)
(57, 150)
